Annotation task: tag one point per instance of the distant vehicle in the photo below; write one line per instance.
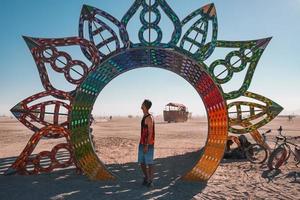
(175, 112)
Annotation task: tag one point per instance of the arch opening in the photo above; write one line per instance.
(117, 114)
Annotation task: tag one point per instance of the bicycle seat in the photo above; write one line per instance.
(279, 138)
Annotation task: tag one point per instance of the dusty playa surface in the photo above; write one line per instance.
(177, 148)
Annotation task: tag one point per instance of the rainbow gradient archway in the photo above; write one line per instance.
(185, 67)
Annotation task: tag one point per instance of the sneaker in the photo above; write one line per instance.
(150, 184)
(145, 182)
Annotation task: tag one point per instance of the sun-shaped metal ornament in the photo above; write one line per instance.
(110, 50)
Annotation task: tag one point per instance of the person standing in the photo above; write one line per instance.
(146, 145)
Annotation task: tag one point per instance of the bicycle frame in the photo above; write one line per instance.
(296, 155)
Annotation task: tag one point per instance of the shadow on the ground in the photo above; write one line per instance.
(66, 184)
(271, 175)
(295, 175)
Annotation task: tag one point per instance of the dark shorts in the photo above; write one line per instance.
(146, 158)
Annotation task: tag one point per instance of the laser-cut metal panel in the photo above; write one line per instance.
(248, 54)
(92, 22)
(27, 114)
(196, 36)
(45, 52)
(25, 159)
(149, 24)
(265, 111)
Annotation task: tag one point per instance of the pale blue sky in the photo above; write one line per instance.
(277, 75)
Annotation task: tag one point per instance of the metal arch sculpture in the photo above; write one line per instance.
(110, 50)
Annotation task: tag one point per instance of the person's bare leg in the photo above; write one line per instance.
(150, 172)
(144, 169)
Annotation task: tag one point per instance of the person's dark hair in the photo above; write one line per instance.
(147, 103)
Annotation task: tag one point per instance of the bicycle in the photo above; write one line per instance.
(282, 153)
(258, 153)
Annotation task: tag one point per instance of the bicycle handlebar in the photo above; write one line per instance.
(268, 131)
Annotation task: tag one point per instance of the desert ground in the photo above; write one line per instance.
(177, 148)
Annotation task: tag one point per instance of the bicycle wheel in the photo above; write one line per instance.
(277, 158)
(256, 153)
